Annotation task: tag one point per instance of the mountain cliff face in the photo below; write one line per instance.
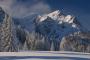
(49, 32)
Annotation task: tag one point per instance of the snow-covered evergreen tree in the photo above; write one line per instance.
(8, 40)
(52, 47)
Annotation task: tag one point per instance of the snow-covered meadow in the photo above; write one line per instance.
(44, 55)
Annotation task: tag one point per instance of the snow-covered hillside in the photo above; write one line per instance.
(43, 55)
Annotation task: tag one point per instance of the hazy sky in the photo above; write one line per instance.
(22, 8)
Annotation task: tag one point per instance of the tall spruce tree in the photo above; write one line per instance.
(8, 41)
(52, 47)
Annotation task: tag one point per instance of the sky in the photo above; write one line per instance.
(22, 8)
(78, 8)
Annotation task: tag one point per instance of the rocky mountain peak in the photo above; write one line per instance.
(61, 18)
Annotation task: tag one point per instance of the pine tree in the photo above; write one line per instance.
(21, 35)
(25, 47)
(30, 40)
(8, 37)
(52, 47)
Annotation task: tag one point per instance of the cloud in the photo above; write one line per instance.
(22, 8)
(6, 4)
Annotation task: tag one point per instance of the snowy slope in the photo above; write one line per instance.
(43, 55)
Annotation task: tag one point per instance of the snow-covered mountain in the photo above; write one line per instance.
(54, 31)
(61, 18)
(57, 25)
